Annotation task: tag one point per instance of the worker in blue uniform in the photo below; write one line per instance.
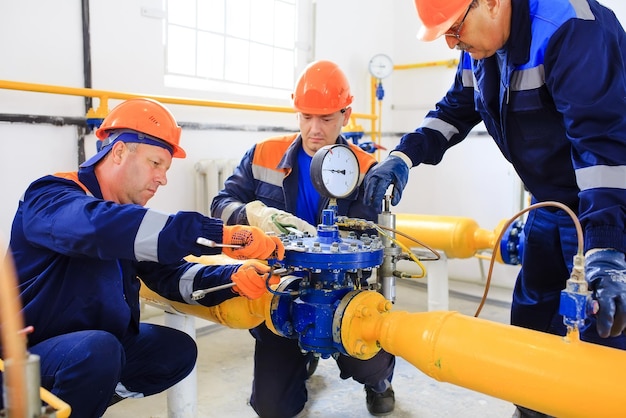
(548, 79)
(271, 187)
(82, 240)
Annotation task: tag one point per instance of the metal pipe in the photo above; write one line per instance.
(104, 95)
(237, 312)
(23, 378)
(30, 369)
(391, 253)
(13, 342)
(182, 398)
(530, 368)
(447, 63)
(62, 409)
(555, 375)
(458, 237)
(377, 133)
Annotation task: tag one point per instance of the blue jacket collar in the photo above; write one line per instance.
(87, 176)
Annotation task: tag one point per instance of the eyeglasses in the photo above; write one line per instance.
(456, 33)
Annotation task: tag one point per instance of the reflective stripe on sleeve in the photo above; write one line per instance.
(228, 210)
(444, 128)
(601, 176)
(147, 239)
(185, 284)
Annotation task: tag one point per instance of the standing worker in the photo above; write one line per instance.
(270, 185)
(547, 78)
(81, 241)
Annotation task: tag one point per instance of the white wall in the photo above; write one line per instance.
(40, 42)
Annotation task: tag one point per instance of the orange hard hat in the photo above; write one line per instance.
(438, 15)
(322, 89)
(146, 116)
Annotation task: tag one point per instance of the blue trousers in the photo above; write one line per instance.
(83, 368)
(549, 250)
(280, 374)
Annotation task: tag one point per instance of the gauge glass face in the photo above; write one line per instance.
(340, 171)
(380, 66)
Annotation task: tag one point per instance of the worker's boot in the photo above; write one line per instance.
(521, 412)
(379, 404)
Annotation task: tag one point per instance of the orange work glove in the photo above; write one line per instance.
(254, 243)
(250, 279)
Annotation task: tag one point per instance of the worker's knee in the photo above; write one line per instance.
(369, 372)
(82, 368)
(97, 356)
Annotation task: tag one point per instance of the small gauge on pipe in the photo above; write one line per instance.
(380, 66)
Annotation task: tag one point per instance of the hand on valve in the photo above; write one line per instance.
(393, 169)
(250, 279)
(275, 220)
(605, 271)
(253, 241)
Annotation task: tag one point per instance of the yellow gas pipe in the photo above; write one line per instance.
(559, 376)
(238, 312)
(105, 95)
(530, 368)
(458, 237)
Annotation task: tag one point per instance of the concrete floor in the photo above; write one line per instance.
(224, 372)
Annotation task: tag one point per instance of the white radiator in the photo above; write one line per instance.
(210, 177)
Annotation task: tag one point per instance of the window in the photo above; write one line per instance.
(233, 46)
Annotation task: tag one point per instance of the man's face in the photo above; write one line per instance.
(139, 171)
(320, 130)
(484, 29)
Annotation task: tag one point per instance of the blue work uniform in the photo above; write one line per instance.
(553, 99)
(79, 259)
(269, 172)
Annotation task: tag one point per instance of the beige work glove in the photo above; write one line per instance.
(275, 220)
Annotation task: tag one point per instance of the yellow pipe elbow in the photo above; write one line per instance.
(62, 409)
(238, 312)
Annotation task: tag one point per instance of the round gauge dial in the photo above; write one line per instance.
(335, 171)
(380, 66)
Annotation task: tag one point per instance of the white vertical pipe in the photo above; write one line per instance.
(437, 276)
(210, 175)
(182, 398)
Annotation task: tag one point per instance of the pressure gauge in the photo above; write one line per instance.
(335, 171)
(380, 66)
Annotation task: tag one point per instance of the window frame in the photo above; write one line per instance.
(301, 54)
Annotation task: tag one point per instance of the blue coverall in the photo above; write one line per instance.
(78, 260)
(269, 172)
(553, 99)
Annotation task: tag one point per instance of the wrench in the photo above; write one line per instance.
(213, 244)
(199, 294)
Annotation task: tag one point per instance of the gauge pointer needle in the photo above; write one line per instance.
(336, 171)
